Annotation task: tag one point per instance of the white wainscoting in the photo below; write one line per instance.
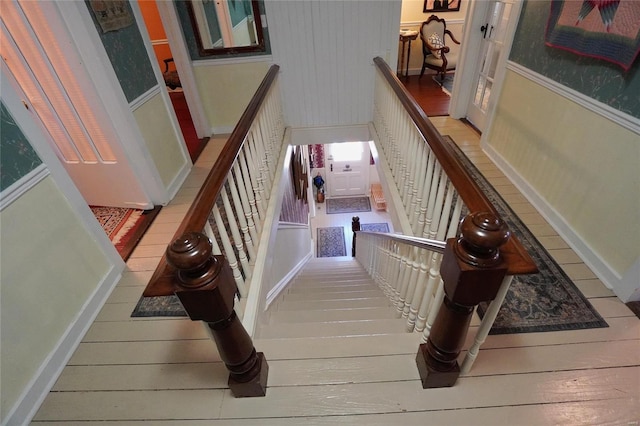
(625, 120)
(325, 50)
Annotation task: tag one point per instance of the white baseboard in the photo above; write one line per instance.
(282, 284)
(222, 130)
(179, 179)
(38, 388)
(599, 267)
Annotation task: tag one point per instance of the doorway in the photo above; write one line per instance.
(347, 169)
(63, 103)
(485, 49)
(164, 60)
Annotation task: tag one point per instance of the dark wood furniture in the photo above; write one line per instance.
(438, 58)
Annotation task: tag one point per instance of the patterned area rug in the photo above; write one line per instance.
(330, 242)
(161, 306)
(546, 301)
(447, 84)
(348, 205)
(374, 227)
(115, 221)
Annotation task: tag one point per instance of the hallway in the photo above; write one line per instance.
(167, 370)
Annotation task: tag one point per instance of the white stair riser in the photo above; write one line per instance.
(330, 329)
(333, 304)
(329, 315)
(337, 295)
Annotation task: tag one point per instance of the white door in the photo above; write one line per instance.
(347, 169)
(494, 31)
(59, 93)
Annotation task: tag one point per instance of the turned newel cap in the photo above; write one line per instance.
(191, 255)
(481, 234)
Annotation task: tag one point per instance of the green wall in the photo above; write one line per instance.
(17, 157)
(128, 56)
(598, 79)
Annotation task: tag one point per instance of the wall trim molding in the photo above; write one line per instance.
(330, 134)
(22, 185)
(458, 21)
(51, 368)
(599, 267)
(625, 120)
(146, 96)
(222, 130)
(229, 61)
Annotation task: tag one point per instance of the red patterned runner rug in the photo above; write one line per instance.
(117, 222)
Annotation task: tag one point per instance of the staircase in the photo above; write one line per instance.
(331, 297)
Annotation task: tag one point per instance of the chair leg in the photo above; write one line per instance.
(421, 71)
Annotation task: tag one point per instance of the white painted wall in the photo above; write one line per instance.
(325, 50)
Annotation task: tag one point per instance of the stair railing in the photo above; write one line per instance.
(433, 194)
(217, 250)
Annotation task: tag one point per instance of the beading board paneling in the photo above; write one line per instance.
(325, 51)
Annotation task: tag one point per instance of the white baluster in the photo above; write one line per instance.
(413, 282)
(433, 311)
(419, 293)
(434, 210)
(485, 325)
(416, 200)
(212, 236)
(403, 279)
(235, 233)
(426, 194)
(228, 252)
(246, 205)
(250, 193)
(249, 235)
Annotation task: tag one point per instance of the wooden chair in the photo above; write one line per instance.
(171, 78)
(437, 55)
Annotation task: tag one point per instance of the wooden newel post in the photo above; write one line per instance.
(355, 226)
(206, 288)
(472, 270)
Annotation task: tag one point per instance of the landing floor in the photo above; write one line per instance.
(165, 371)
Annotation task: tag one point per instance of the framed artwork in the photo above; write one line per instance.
(441, 5)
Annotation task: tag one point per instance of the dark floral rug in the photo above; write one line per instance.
(546, 301)
(375, 227)
(330, 242)
(348, 205)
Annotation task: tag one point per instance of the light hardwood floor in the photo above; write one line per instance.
(166, 371)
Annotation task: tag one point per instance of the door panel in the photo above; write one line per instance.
(62, 99)
(347, 169)
(493, 32)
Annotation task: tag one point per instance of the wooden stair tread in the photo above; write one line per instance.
(335, 328)
(330, 315)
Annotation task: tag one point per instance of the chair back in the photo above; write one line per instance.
(433, 25)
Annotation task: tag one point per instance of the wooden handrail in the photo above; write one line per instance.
(161, 283)
(517, 258)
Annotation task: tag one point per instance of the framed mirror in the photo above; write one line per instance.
(226, 26)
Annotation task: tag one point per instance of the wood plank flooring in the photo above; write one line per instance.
(428, 94)
(166, 371)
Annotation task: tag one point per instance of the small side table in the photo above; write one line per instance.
(406, 36)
